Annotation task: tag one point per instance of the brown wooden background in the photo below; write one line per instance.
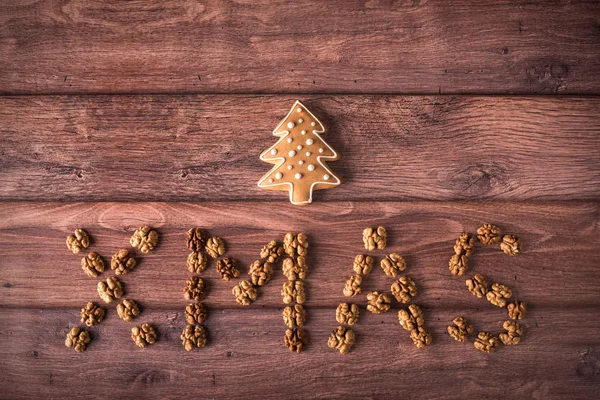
(447, 114)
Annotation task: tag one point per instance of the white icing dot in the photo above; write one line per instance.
(313, 123)
(290, 140)
(274, 151)
(271, 180)
(298, 175)
(290, 167)
(304, 131)
(321, 150)
(300, 120)
(299, 147)
(301, 162)
(299, 109)
(308, 154)
(326, 177)
(292, 153)
(311, 167)
(278, 175)
(291, 125)
(309, 141)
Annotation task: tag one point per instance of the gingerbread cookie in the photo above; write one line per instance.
(299, 157)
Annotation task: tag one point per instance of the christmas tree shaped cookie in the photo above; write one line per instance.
(299, 157)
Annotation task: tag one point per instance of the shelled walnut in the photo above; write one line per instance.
(342, 338)
(196, 239)
(272, 251)
(260, 272)
(465, 244)
(92, 264)
(78, 338)
(510, 245)
(294, 268)
(294, 316)
(122, 262)
(78, 241)
(195, 289)
(378, 303)
(486, 342)
(352, 286)
(295, 245)
(195, 313)
(460, 330)
(477, 286)
(143, 335)
(293, 291)
(458, 264)
(226, 267)
(488, 234)
(404, 289)
(128, 310)
(347, 313)
(375, 238)
(411, 319)
(295, 339)
(513, 332)
(392, 264)
(215, 247)
(110, 290)
(420, 337)
(516, 310)
(193, 336)
(92, 314)
(145, 239)
(244, 293)
(363, 264)
(498, 295)
(196, 262)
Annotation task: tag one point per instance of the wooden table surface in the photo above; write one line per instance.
(447, 115)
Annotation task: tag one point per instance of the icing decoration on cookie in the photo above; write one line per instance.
(312, 175)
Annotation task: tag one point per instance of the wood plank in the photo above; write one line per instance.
(199, 148)
(375, 46)
(246, 358)
(558, 266)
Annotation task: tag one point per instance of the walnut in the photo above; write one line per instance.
(347, 313)
(295, 339)
(352, 286)
(461, 329)
(362, 264)
(226, 267)
(488, 234)
(195, 313)
(378, 302)
(78, 338)
(110, 290)
(143, 335)
(294, 268)
(498, 295)
(272, 251)
(196, 262)
(215, 247)
(145, 239)
(420, 337)
(404, 289)
(516, 310)
(193, 336)
(295, 245)
(342, 338)
(510, 245)
(128, 310)
(486, 342)
(122, 262)
(293, 291)
(375, 238)
(294, 316)
(392, 264)
(195, 289)
(260, 272)
(78, 242)
(244, 293)
(196, 239)
(477, 285)
(464, 245)
(92, 314)
(92, 264)
(458, 264)
(513, 332)
(411, 319)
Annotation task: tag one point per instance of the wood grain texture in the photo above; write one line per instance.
(199, 148)
(374, 46)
